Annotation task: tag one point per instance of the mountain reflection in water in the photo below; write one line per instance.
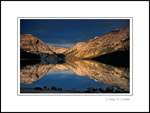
(99, 72)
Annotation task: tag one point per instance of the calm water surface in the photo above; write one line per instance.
(74, 76)
(67, 80)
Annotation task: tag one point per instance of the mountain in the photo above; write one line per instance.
(33, 48)
(32, 44)
(113, 41)
(111, 48)
(117, 40)
(58, 50)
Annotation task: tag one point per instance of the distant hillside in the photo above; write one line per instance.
(58, 50)
(111, 48)
(117, 40)
(33, 48)
(32, 44)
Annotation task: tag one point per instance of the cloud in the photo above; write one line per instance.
(65, 45)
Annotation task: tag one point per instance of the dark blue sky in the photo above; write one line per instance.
(67, 32)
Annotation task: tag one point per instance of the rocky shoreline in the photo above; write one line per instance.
(33, 90)
(53, 89)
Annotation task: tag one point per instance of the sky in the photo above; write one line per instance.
(67, 32)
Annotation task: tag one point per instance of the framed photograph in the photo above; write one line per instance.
(75, 56)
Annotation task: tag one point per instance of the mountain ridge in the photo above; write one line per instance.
(29, 43)
(117, 40)
(113, 41)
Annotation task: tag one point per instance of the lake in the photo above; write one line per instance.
(81, 76)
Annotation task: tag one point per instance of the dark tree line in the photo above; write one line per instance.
(118, 58)
(27, 55)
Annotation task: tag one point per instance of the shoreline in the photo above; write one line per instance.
(33, 90)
